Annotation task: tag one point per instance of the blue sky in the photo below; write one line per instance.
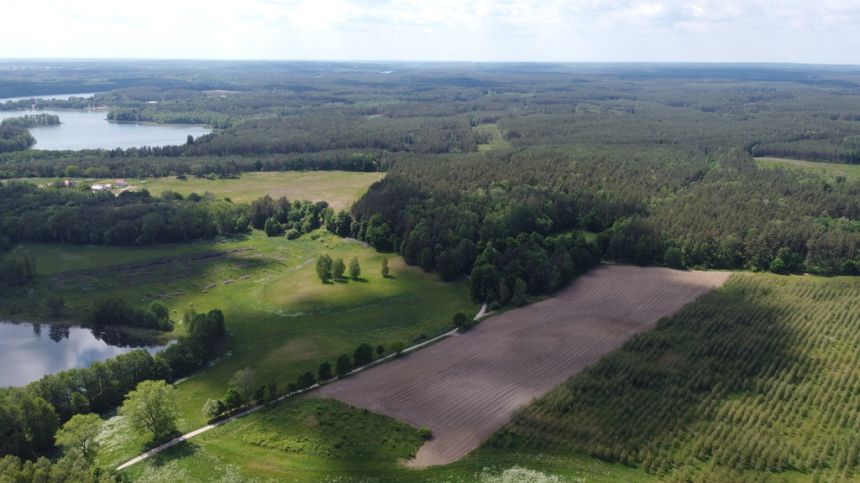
(822, 31)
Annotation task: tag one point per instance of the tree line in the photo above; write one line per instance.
(117, 312)
(148, 161)
(32, 120)
(29, 213)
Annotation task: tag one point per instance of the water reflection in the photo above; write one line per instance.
(26, 354)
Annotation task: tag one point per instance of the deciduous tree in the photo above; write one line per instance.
(151, 407)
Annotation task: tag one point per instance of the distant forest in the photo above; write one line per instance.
(640, 164)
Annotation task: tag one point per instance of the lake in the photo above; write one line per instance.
(90, 129)
(29, 351)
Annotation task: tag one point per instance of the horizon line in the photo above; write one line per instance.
(419, 61)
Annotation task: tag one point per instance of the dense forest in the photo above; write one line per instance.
(714, 214)
(657, 162)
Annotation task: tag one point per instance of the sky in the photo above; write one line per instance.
(811, 31)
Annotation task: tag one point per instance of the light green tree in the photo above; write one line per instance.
(79, 435)
(324, 268)
(354, 269)
(151, 407)
(243, 381)
(337, 268)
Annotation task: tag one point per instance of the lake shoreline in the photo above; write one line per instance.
(30, 350)
(88, 128)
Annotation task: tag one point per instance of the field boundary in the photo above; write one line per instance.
(467, 387)
(185, 437)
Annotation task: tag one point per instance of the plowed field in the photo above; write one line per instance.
(466, 387)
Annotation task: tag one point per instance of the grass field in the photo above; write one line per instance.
(297, 440)
(496, 139)
(283, 321)
(339, 188)
(323, 440)
(832, 170)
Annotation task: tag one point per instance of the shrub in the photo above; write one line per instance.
(273, 228)
(461, 322)
(160, 310)
(306, 380)
(213, 408)
(778, 266)
(674, 257)
(363, 355)
(243, 381)
(343, 365)
(324, 372)
(397, 348)
(232, 400)
(425, 433)
(118, 312)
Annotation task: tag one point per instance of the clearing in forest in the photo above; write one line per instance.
(847, 171)
(339, 188)
(466, 387)
(494, 138)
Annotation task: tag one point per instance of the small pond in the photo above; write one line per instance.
(29, 351)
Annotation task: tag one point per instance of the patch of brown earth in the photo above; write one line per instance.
(466, 387)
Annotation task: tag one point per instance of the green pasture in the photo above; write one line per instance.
(339, 188)
(831, 170)
(283, 321)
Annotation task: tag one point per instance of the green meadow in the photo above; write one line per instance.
(309, 439)
(339, 188)
(283, 321)
(831, 170)
(496, 141)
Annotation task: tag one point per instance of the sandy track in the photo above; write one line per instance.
(466, 387)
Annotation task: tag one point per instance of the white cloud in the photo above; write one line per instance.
(574, 30)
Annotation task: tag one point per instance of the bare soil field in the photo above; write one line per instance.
(466, 387)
